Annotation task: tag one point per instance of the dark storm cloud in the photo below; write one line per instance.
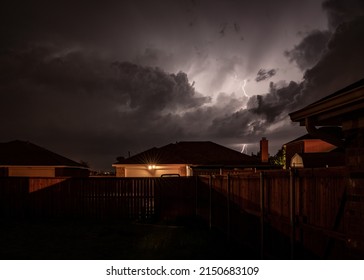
(335, 62)
(309, 51)
(59, 21)
(340, 11)
(90, 103)
(264, 74)
(331, 59)
(80, 74)
(278, 100)
(150, 89)
(96, 80)
(155, 57)
(340, 65)
(233, 125)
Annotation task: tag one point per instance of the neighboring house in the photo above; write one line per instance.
(185, 159)
(316, 160)
(306, 144)
(343, 109)
(24, 159)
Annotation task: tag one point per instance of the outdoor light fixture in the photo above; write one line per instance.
(150, 167)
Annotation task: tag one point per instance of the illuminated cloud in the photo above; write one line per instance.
(97, 80)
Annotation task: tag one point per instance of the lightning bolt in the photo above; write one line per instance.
(243, 88)
(243, 149)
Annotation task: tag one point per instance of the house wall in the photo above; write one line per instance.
(141, 170)
(354, 150)
(354, 159)
(119, 171)
(43, 171)
(307, 146)
(292, 149)
(296, 161)
(31, 171)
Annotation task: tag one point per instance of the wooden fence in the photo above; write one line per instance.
(126, 198)
(305, 213)
(299, 213)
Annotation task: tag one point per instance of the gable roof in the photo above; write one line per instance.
(25, 153)
(194, 152)
(326, 129)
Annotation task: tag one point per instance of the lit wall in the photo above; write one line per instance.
(297, 161)
(31, 171)
(152, 170)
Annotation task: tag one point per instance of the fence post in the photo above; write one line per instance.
(292, 206)
(196, 196)
(228, 206)
(261, 215)
(210, 201)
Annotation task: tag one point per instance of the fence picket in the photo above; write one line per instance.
(314, 208)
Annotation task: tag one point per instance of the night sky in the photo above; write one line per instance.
(93, 80)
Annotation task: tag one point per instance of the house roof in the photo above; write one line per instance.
(346, 103)
(315, 160)
(194, 152)
(326, 129)
(25, 153)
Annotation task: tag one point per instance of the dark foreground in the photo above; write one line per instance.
(98, 240)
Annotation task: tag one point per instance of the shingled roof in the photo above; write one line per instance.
(24, 153)
(194, 152)
(330, 129)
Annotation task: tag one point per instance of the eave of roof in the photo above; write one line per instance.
(22, 153)
(329, 110)
(331, 130)
(42, 166)
(192, 153)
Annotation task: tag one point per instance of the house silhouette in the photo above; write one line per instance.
(185, 159)
(24, 159)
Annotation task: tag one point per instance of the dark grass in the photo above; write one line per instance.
(60, 239)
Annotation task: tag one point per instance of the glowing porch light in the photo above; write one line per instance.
(150, 167)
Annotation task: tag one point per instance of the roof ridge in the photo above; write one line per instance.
(23, 152)
(190, 152)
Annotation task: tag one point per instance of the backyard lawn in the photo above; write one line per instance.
(102, 240)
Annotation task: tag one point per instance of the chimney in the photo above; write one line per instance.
(264, 150)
